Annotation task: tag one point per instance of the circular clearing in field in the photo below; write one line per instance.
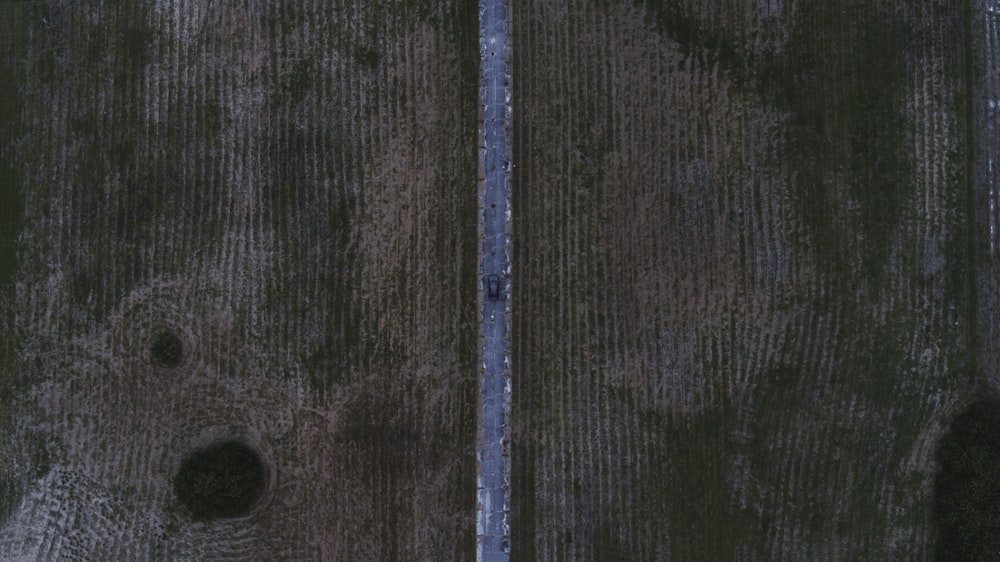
(222, 481)
(166, 350)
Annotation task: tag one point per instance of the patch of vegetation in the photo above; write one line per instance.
(12, 47)
(608, 548)
(222, 481)
(327, 365)
(40, 456)
(967, 489)
(9, 497)
(13, 42)
(11, 206)
(695, 36)
(366, 56)
(167, 350)
(843, 79)
(298, 83)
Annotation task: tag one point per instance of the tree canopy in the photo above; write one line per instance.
(967, 488)
(222, 481)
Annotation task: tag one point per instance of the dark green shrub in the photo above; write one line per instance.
(222, 481)
(166, 350)
(366, 56)
(967, 490)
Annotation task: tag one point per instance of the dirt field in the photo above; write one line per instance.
(743, 295)
(289, 190)
(752, 274)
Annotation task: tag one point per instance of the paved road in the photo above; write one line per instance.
(493, 534)
(989, 145)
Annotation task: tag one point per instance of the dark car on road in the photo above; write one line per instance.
(493, 287)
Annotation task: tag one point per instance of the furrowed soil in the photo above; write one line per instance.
(287, 188)
(743, 290)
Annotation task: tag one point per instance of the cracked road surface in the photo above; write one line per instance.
(492, 530)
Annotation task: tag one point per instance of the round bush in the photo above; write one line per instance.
(224, 480)
(967, 490)
(166, 350)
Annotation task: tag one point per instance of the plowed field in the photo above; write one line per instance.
(289, 189)
(743, 303)
(753, 274)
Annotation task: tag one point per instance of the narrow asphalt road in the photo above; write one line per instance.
(492, 529)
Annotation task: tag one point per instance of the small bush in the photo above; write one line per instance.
(967, 490)
(366, 56)
(166, 350)
(222, 481)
